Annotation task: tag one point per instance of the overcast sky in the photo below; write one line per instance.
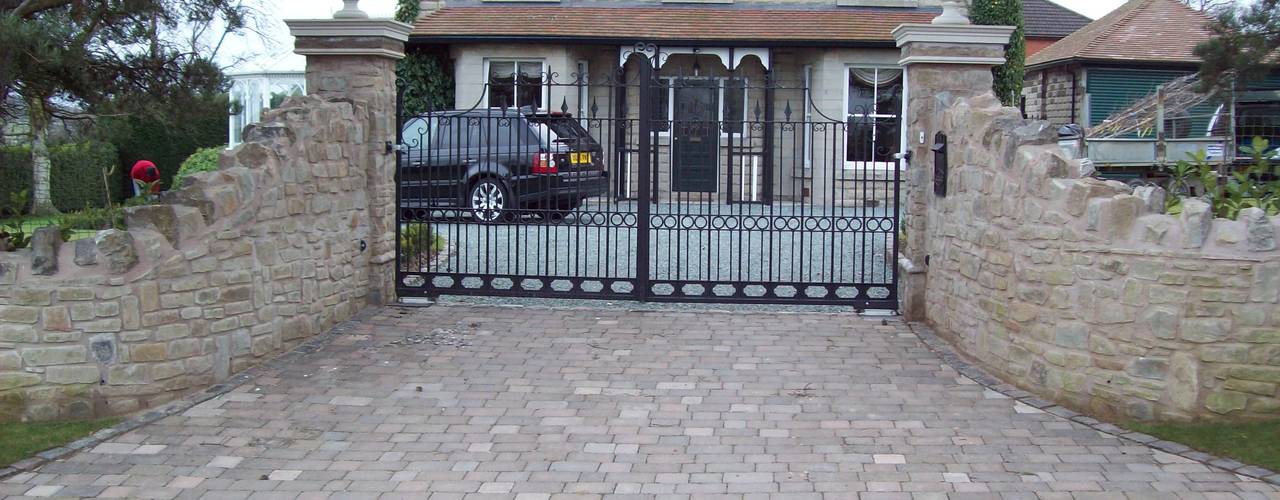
(275, 52)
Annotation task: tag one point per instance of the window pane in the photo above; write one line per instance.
(860, 141)
(890, 99)
(735, 94)
(531, 69)
(530, 82)
(861, 96)
(530, 91)
(459, 132)
(887, 138)
(662, 105)
(502, 89)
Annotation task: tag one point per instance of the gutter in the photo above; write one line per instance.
(577, 40)
(1081, 61)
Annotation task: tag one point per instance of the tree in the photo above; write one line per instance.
(80, 60)
(1244, 47)
(1008, 77)
(425, 75)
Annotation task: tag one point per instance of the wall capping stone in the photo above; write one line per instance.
(960, 34)
(342, 37)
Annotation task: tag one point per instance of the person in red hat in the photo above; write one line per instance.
(144, 174)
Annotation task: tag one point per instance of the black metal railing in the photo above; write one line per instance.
(726, 186)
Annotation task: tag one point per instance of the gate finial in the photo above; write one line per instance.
(350, 10)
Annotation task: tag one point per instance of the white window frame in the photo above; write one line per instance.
(808, 115)
(872, 165)
(720, 84)
(544, 88)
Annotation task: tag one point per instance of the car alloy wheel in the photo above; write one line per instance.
(488, 200)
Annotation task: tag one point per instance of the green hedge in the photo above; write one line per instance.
(168, 144)
(75, 178)
(15, 175)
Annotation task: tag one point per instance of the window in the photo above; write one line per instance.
(662, 104)
(455, 132)
(733, 95)
(874, 118)
(514, 83)
(733, 104)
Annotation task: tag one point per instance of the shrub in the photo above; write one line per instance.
(204, 160)
(1256, 185)
(417, 245)
(93, 219)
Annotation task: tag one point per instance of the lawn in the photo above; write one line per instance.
(21, 440)
(31, 223)
(1251, 443)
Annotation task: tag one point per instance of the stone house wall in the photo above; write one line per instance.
(1053, 104)
(1084, 292)
(284, 241)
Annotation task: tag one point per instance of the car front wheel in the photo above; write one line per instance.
(490, 201)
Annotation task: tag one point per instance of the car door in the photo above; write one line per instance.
(459, 140)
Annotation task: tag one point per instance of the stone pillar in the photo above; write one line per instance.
(353, 57)
(944, 61)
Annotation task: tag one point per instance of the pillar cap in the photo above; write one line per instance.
(979, 39)
(964, 34)
(386, 29)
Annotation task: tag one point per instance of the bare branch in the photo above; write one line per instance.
(30, 7)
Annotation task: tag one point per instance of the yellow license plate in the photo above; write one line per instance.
(580, 157)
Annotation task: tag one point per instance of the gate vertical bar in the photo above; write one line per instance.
(769, 84)
(400, 157)
(646, 191)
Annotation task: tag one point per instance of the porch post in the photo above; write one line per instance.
(944, 61)
(353, 57)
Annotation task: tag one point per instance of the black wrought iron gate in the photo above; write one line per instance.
(696, 185)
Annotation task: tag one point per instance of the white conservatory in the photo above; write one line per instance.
(251, 93)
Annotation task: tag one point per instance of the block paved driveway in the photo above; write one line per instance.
(478, 403)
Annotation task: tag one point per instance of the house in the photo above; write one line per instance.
(780, 77)
(1045, 22)
(1114, 61)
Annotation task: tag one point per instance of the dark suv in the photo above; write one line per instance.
(500, 164)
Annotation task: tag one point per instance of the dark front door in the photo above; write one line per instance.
(695, 136)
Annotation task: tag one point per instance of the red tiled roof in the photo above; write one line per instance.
(669, 24)
(1163, 31)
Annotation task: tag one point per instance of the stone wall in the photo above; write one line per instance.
(288, 238)
(1083, 291)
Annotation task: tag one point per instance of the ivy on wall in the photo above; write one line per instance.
(425, 74)
(1008, 78)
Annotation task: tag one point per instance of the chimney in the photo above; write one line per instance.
(429, 6)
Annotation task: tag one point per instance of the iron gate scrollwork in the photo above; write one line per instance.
(689, 183)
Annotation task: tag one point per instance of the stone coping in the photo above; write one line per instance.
(181, 405)
(949, 355)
